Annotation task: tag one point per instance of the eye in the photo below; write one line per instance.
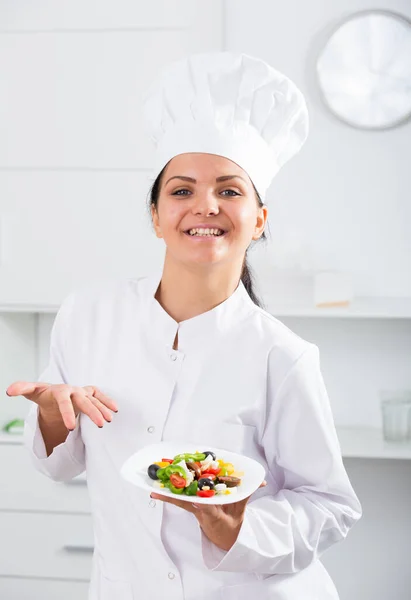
(177, 192)
(233, 191)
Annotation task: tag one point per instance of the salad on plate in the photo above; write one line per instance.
(200, 474)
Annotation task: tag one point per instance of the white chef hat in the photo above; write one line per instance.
(229, 104)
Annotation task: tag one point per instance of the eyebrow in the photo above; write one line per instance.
(192, 180)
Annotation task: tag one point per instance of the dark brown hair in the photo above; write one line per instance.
(247, 276)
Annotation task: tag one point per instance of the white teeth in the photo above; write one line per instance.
(201, 231)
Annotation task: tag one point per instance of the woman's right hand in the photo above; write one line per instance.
(66, 402)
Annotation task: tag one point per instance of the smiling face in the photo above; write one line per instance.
(206, 190)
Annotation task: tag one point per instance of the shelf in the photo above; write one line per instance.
(360, 308)
(362, 442)
(11, 438)
(28, 308)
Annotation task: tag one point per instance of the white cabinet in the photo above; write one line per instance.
(46, 545)
(64, 229)
(46, 531)
(25, 489)
(12, 588)
(68, 15)
(74, 96)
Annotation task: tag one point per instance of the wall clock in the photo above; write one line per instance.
(364, 70)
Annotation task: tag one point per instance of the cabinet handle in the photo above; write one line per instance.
(79, 548)
(76, 482)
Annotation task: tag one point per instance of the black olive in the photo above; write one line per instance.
(205, 481)
(212, 454)
(152, 471)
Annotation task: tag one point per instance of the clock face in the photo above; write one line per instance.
(364, 70)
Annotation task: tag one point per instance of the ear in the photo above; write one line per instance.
(261, 222)
(156, 223)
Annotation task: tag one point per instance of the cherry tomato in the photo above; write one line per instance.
(205, 493)
(169, 460)
(177, 480)
(209, 474)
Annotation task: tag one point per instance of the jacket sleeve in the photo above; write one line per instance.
(67, 459)
(315, 505)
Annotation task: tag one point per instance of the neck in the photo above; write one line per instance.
(185, 293)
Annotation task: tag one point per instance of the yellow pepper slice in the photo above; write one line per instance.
(230, 468)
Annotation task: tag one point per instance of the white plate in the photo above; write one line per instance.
(135, 468)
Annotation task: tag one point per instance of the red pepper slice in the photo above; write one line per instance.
(205, 493)
(169, 460)
(209, 474)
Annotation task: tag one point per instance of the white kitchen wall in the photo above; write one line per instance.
(73, 149)
(347, 192)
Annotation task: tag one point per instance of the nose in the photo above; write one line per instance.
(206, 204)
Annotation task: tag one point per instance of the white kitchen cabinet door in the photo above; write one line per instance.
(62, 229)
(23, 488)
(66, 15)
(46, 545)
(73, 99)
(45, 589)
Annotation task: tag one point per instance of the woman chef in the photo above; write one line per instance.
(188, 354)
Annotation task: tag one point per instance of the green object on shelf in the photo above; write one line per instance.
(14, 427)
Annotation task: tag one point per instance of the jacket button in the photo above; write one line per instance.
(152, 503)
(150, 429)
(173, 357)
(171, 575)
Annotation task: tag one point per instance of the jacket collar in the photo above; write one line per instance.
(197, 331)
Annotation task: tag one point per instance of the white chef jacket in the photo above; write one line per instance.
(240, 380)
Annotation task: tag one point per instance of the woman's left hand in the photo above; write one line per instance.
(221, 523)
